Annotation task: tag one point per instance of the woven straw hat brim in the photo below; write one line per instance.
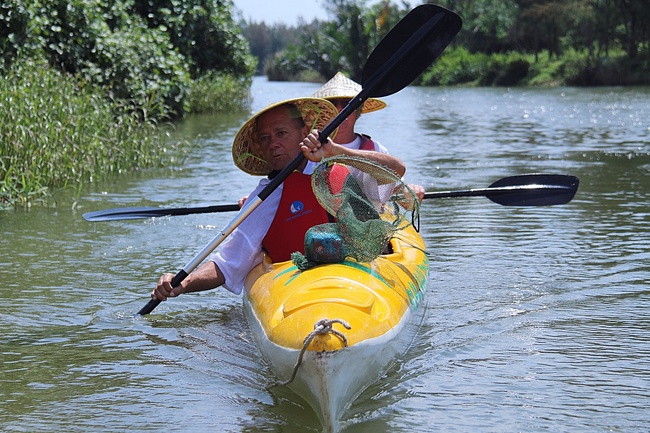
(341, 87)
(246, 152)
(370, 105)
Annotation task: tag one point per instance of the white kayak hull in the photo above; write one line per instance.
(331, 380)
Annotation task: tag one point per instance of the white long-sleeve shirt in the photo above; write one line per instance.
(242, 251)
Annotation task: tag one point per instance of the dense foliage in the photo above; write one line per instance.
(141, 51)
(502, 42)
(321, 48)
(57, 132)
(88, 85)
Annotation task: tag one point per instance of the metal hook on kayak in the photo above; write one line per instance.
(322, 327)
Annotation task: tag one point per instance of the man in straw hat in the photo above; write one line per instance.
(340, 90)
(265, 145)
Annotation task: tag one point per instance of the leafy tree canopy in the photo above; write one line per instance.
(142, 51)
(598, 28)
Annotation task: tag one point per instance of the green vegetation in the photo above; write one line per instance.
(460, 67)
(316, 51)
(213, 93)
(89, 87)
(502, 43)
(56, 131)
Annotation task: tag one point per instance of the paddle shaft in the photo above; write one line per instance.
(385, 72)
(251, 204)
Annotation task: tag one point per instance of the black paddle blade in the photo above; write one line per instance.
(534, 190)
(130, 213)
(125, 213)
(410, 48)
(407, 50)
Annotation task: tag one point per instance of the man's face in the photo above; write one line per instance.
(279, 137)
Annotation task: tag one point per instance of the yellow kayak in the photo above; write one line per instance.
(332, 364)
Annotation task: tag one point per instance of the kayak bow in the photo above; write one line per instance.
(376, 300)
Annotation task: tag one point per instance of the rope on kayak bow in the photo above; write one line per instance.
(322, 327)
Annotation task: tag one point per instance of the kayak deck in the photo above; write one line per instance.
(371, 297)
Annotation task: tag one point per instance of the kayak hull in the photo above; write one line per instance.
(376, 300)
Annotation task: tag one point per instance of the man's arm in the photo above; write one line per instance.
(315, 151)
(205, 277)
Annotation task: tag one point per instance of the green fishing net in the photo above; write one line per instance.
(369, 204)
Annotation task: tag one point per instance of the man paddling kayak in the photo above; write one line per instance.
(267, 143)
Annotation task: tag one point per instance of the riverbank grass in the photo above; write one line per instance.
(60, 132)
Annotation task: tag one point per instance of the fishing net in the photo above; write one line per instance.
(369, 204)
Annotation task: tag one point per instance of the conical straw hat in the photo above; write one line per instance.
(341, 87)
(246, 151)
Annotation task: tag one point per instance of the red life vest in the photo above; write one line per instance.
(297, 212)
(366, 143)
(338, 173)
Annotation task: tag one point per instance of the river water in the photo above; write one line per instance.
(536, 319)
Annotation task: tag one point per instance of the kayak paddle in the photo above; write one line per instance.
(522, 190)
(403, 54)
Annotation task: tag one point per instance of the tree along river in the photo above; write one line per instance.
(535, 319)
